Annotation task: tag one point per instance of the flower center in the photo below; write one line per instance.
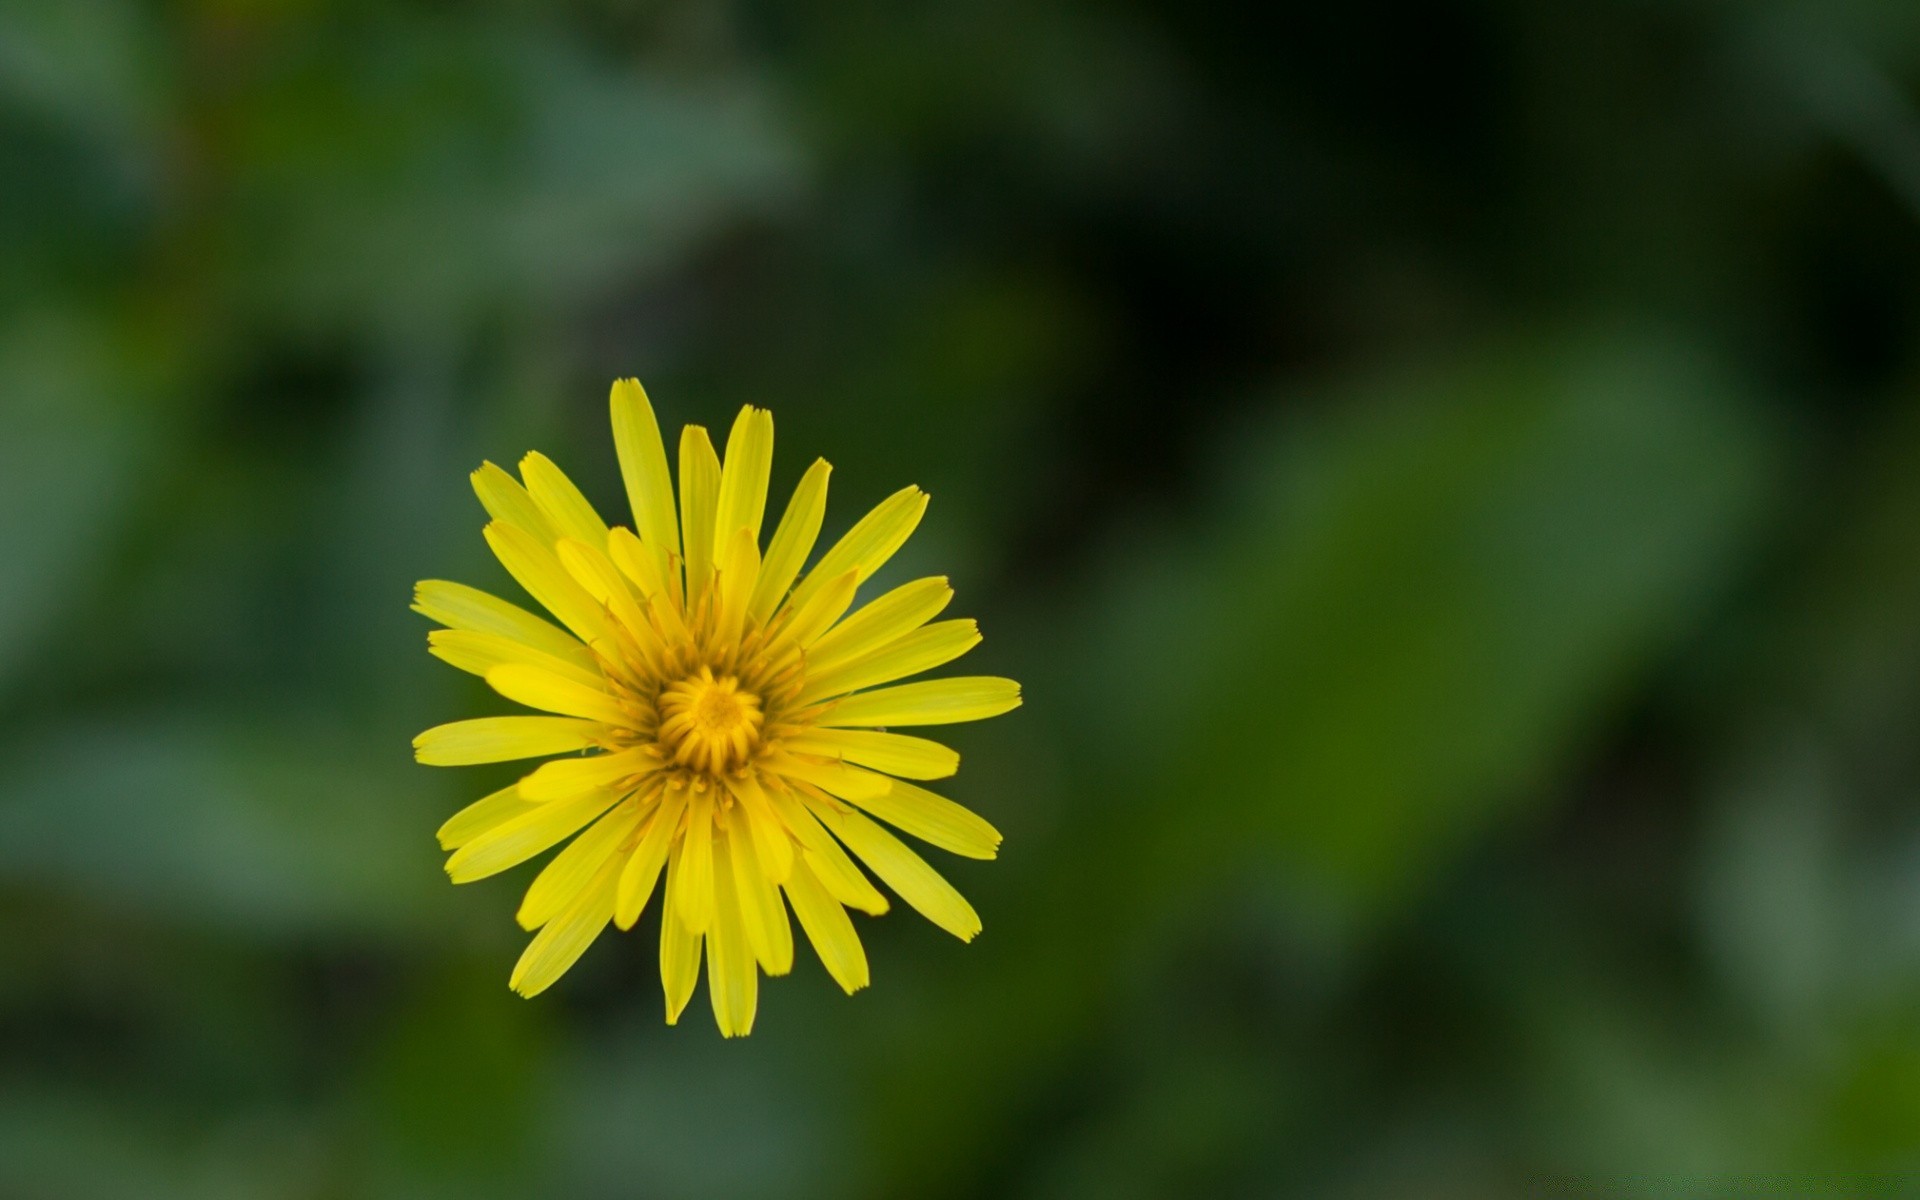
(709, 724)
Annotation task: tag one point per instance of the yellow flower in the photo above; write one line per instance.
(722, 722)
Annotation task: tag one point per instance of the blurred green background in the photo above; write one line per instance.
(1447, 474)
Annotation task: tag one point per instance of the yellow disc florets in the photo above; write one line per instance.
(709, 724)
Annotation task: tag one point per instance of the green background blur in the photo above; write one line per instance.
(1448, 476)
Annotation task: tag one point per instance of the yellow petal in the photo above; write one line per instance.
(894, 753)
(482, 815)
(679, 952)
(899, 612)
(869, 544)
(922, 650)
(508, 503)
(643, 866)
(762, 913)
(738, 568)
(458, 606)
(934, 819)
(830, 863)
(733, 978)
(533, 565)
(572, 870)
(743, 480)
(478, 653)
(699, 493)
(564, 507)
(502, 739)
(934, 702)
(643, 465)
(771, 844)
(520, 839)
(666, 615)
(564, 939)
(641, 566)
(812, 619)
(693, 894)
(828, 928)
(565, 777)
(837, 778)
(599, 578)
(553, 693)
(901, 869)
(792, 541)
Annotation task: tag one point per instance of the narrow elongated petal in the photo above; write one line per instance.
(829, 862)
(771, 844)
(482, 815)
(458, 606)
(869, 544)
(934, 819)
(510, 504)
(634, 643)
(553, 693)
(567, 511)
(743, 479)
(643, 568)
(478, 653)
(643, 465)
(922, 650)
(679, 952)
(933, 702)
(899, 612)
(792, 541)
(643, 866)
(503, 739)
(699, 495)
(762, 913)
(897, 754)
(836, 778)
(812, 619)
(666, 616)
(693, 895)
(565, 777)
(733, 982)
(600, 578)
(561, 881)
(533, 565)
(902, 870)
(564, 939)
(829, 929)
(738, 567)
(520, 839)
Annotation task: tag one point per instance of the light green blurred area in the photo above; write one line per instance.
(1448, 478)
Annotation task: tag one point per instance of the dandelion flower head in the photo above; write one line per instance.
(719, 722)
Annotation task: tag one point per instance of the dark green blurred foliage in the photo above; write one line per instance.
(1448, 475)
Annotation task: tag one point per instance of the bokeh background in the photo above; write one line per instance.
(1447, 474)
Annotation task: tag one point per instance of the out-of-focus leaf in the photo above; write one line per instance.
(451, 1095)
(72, 1144)
(71, 441)
(435, 213)
(1393, 646)
(670, 1116)
(265, 830)
(85, 64)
